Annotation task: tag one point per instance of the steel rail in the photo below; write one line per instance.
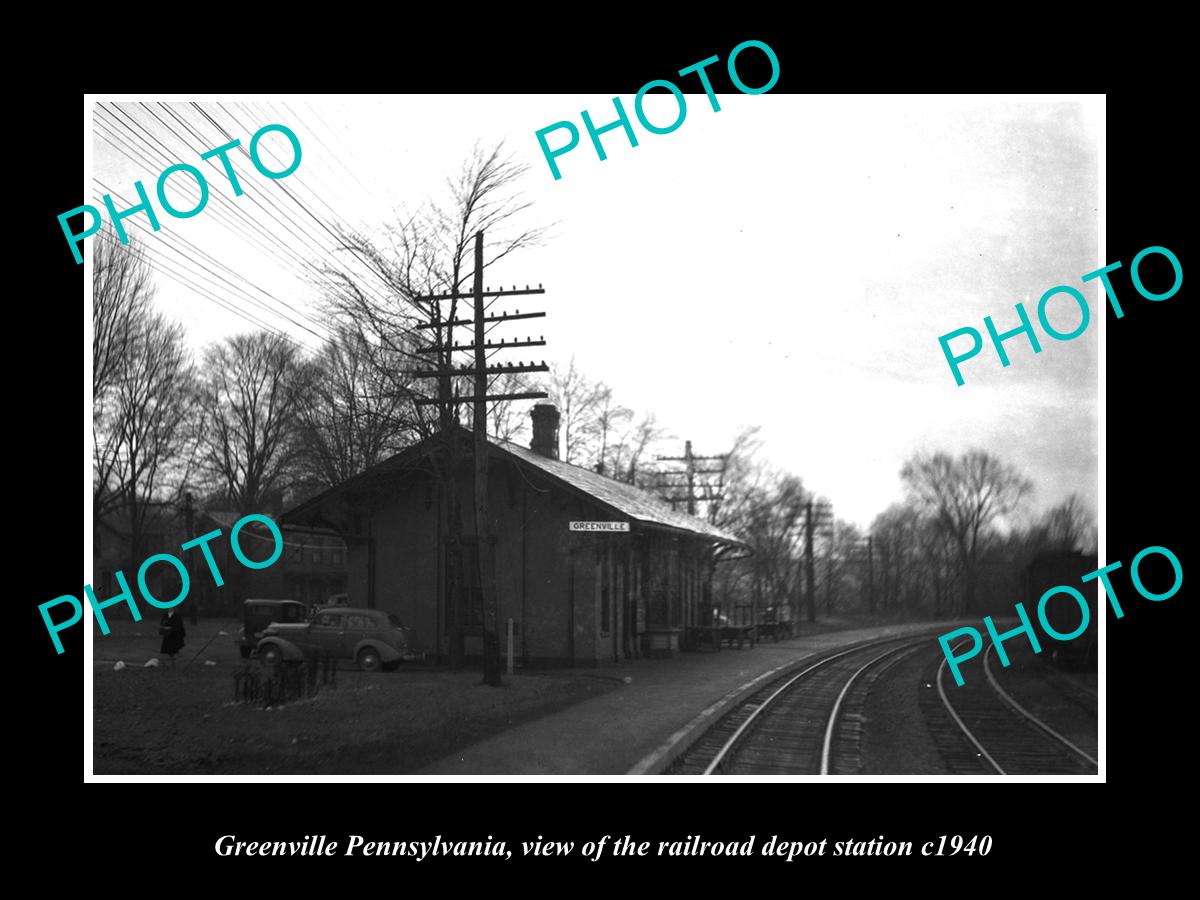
(958, 721)
(831, 725)
(1027, 715)
(736, 736)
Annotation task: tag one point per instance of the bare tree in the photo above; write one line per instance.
(897, 553)
(353, 418)
(580, 402)
(840, 570)
(508, 420)
(612, 431)
(965, 496)
(765, 508)
(1068, 526)
(940, 571)
(144, 396)
(254, 389)
(122, 297)
(597, 431)
(774, 533)
(429, 254)
(625, 456)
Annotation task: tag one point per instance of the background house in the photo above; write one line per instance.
(313, 566)
(162, 531)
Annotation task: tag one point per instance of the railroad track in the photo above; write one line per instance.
(805, 722)
(980, 728)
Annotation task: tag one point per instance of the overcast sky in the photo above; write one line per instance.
(789, 261)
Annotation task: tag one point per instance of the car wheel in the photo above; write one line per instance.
(270, 655)
(368, 660)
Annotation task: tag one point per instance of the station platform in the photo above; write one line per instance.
(636, 727)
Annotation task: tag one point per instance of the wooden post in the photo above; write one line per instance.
(810, 581)
(571, 600)
(484, 539)
(510, 645)
(754, 606)
(691, 478)
(870, 576)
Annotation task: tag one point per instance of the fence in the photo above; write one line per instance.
(284, 683)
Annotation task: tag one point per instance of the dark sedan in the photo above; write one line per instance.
(257, 616)
(372, 638)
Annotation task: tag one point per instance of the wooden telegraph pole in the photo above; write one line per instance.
(818, 515)
(809, 580)
(712, 493)
(485, 540)
(444, 371)
(870, 573)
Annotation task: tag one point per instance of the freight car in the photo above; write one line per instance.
(1048, 570)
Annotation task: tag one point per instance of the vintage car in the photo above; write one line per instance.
(339, 600)
(258, 614)
(372, 638)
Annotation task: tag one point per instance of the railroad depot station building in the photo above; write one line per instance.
(576, 597)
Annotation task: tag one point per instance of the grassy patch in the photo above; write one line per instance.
(169, 720)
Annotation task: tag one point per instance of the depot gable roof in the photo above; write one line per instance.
(623, 499)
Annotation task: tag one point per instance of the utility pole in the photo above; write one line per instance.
(484, 539)
(809, 578)
(444, 372)
(798, 602)
(691, 477)
(829, 582)
(830, 536)
(450, 578)
(714, 505)
(870, 575)
(712, 493)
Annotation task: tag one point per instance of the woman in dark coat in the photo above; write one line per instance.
(172, 631)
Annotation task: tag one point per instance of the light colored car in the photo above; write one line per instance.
(372, 638)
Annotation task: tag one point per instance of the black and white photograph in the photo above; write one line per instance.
(462, 435)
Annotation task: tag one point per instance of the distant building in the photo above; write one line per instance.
(576, 597)
(311, 569)
(112, 551)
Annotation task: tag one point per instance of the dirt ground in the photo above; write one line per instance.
(182, 718)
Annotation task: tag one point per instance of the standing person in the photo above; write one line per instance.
(172, 631)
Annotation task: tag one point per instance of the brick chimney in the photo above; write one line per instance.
(545, 430)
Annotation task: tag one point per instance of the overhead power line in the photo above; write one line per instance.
(302, 266)
(313, 247)
(170, 238)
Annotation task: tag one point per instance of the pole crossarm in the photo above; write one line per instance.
(488, 398)
(514, 292)
(503, 345)
(502, 317)
(467, 370)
